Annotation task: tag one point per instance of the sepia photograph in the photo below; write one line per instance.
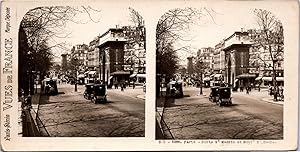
(82, 72)
(219, 74)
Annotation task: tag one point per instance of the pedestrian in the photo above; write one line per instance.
(242, 87)
(270, 90)
(116, 84)
(125, 84)
(133, 85)
(259, 87)
(122, 85)
(281, 92)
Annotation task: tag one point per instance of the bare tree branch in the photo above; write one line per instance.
(271, 39)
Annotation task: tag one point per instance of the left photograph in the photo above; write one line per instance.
(82, 72)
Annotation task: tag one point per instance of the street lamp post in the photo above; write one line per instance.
(201, 62)
(76, 60)
(76, 82)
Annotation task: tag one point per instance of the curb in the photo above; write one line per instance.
(34, 111)
(141, 96)
(270, 100)
(159, 126)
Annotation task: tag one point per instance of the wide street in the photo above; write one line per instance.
(250, 117)
(69, 114)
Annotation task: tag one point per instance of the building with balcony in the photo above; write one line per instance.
(219, 58)
(92, 74)
(80, 52)
(135, 49)
(261, 62)
(205, 55)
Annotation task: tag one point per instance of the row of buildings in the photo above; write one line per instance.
(117, 55)
(239, 60)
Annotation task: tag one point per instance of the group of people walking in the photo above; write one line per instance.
(123, 84)
(276, 92)
(247, 87)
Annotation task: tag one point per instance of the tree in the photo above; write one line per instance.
(271, 39)
(136, 18)
(37, 28)
(136, 40)
(170, 29)
(74, 66)
(56, 68)
(200, 67)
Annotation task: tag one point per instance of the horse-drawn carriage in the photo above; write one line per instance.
(221, 95)
(49, 86)
(98, 93)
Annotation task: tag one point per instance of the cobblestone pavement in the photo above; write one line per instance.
(70, 115)
(195, 117)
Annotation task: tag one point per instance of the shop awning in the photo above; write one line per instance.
(120, 73)
(80, 76)
(218, 75)
(246, 75)
(48, 79)
(206, 79)
(258, 78)
(92, 72)
(280, 78)
(270, 78)
(141, 75)
(133, 75)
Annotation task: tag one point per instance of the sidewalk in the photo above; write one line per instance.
(261, 95)
(129, 91)
(30, 118)
(271, 100)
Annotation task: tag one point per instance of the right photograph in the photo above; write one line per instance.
(219, 74)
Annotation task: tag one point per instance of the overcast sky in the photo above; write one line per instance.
(207, 34)
(84, 33)
(211, 31)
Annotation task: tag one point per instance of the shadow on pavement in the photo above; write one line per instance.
(165, 102)
(44, 99)
(158, 132)
(186, 95)
(233, 105)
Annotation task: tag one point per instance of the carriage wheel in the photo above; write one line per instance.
(220, 103)
(94, 100)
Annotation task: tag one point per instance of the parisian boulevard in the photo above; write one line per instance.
(69, 114)
(250, 116)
